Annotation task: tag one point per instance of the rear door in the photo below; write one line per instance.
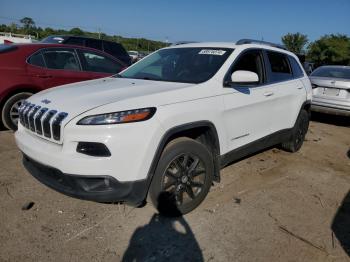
(98, 65)
(62, 67)
(288, 90)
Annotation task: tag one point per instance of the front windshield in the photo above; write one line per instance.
(332, 72)
(185, 65)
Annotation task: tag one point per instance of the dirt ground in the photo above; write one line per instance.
(273, 206)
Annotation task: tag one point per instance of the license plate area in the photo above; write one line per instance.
(331, 91)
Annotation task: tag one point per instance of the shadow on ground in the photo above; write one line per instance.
(341, 224)
(163, 239)
(330, 119)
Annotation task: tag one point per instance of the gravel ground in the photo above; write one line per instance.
(273, 206)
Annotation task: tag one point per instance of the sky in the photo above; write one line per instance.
(191, 20)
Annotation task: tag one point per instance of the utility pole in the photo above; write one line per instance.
(99, 33)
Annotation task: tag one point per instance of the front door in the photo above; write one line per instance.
(248, 111)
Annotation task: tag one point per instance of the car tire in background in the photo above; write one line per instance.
(182, 178)
(9, 112)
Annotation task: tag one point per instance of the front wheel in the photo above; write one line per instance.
(10, 114)
(182, 178)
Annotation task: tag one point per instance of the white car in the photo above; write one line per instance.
(134, 55)
(164, 127)
(331, 90)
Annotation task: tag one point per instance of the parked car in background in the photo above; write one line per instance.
(6, 38)
(331, 90)
(134, 55)
(26, 69)
(112, 48)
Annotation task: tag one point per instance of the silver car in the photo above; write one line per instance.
(331, 90)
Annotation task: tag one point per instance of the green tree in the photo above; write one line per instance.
(295, 42)
(330, 50)
(27, 23)
(76, 31)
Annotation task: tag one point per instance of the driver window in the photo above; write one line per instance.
(250, 61)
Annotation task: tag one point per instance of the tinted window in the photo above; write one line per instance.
(114, 49)
(332, 72)
(185, 65)
(297, 71)
(250, 61)
(75, 41)
(37, 60)
(94, 62)
(61, 59)
(280, 69)
(93, 43)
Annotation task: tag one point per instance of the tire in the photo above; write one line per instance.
(298, 133)
(182, 178)
(9, 113)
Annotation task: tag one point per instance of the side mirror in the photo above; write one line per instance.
(244, 77)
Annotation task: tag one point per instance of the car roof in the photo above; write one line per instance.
(231, 45)
(37, 46)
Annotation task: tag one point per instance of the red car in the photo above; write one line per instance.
(26, 69)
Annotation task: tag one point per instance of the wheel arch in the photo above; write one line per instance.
(203, 131)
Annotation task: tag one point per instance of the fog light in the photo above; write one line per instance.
(93, 149)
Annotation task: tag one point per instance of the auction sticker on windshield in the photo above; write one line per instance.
(211, 52)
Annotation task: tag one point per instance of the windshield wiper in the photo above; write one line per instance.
(118, 76)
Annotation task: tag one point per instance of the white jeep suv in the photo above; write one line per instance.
(164, 127)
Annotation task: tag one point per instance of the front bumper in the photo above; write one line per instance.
(95, 188)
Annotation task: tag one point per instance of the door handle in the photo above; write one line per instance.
(268, 93)
(300, 87)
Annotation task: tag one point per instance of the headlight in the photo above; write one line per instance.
(134, 115)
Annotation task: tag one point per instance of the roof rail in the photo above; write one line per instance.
(259, 42)
(183, 42)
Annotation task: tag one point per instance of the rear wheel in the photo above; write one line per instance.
(10, 114)
(298, 134)
(183, 177)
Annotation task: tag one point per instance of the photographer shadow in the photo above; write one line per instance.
(164, 238)
(341, 224)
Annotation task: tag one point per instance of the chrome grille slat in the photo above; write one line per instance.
(26, 113)
(38, 120)
(47, 123)
(56, 125)
(42, 121)
(31, 117)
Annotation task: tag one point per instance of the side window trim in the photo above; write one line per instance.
(269, 70)
(264, 65)
(83, 62)
(35, 53)
(295, 76)
(64, 49)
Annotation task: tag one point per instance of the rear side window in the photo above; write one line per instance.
(93, 43)
(75, 41)
(279, 64)
(297, 71)
(37, 60)
(95, 62)
(114, 49)
(61, 59)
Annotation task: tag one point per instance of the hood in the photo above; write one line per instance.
(80, 97)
